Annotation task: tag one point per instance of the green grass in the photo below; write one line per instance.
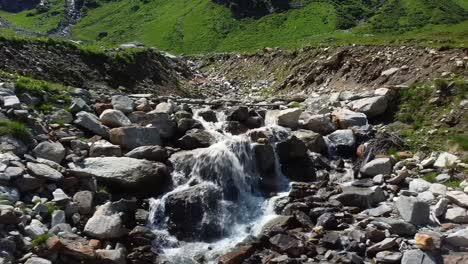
(40, 240)
(431, 177)
(13, 128)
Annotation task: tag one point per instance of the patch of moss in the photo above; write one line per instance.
(40, 240)
(13, 128)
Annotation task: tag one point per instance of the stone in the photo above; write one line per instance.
(36, 260)
(115, 256)
(123, 172)
(265, 157)
(389, 72)
(424, 241)
(122, 103)
(457, 215)
(441, 207)
(84, 201)
(371, 106)
(413, 210)
(321, 124)
(342, 142)
(426, 196)
(388, 257)
(196, 138)
(234, 127)
(291, 148)
(11, 144)
(208, 115)
(92, 123)
(443, 177)
(11, 101)
(237, 256)
(167, 127)
(60, 196)
(9, 194)
(44, 171)
(287, 244)
(363, 198)
(104, 148)
(416, 256)
(153, 153)
(58, 217)
(344, 118)
(237, 113)
(458, 197)
(114, 118)
(445, 160)
(61, 116)
(35, 229)
(386, 244)
(327, 221)
(134, 137)
(419, 185)
(396, 226)
(105, 224)
(49, 150)
(79, 105)
(455, 258)
(77, 246)
(313, 141)
(331, 240)
(8, 215)
(458, 238)
(289, 117)
(377, 166)
(165, 107)
(277, 224)
(438, 189)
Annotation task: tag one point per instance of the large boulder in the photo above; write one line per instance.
(313, 141)
(208, 115)
(122, 103)
(165, 107)
(165, 125)
(92, 123)
(134, 137)
(114, 118)
(154, 153)
(372, 106)
(9, 194)
(105, 223)
(321, 124)
(196, 138)
(363, 198)
(104, 148)
(413, 210)
(11, 144)
(61, 116)
(291, 148)
(458, 238)
(237, 113)
(49, 150)
(234, 127)
(377, 166)
(44, 171)
(345, 118)
(342, 142)
(193, 214)
(295, 164)
(122, 172)
(289, 117)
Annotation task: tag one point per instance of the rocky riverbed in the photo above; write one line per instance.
(136, 178)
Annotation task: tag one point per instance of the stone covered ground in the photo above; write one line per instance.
(74, 188)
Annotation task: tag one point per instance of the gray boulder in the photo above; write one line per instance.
(289, 117)
(396, 226)
(416, 256)
(104, 148)
(196, 138)
(165, 107)
(413, 210)
(167, 127)
(458, 238)
(11, 101)
(92, 123)
(44, 171)
(105, 224)
(122, 103)
(363, 198)
(84, 202)
(459, 198)
(123, 172)
(61, 116)
(9, 194)
(49, 150)
(419, 185)
(345, 118)
(237, 113)
(372, 106)
(11, 144)
(35, 229)
(154, 153)
(342, 142)
(134, 137)
(313, 141)
(457, 215)
(36, 260)
(377, 166)
(114, 118)
(321, 124)
(79, 105)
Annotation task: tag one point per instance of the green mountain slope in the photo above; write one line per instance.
(198, 26)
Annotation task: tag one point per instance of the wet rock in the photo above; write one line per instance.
(361, 197)
(153, 153)
(104, 148)
(265, 157)
(372, 106)
(237, 113)
(192, 213)
(377, 166)
(278, 224)
(342, 143)
(289, 117)
(237, 256)
(43, 171)
(345, 118)
(235, 127)
(53, 151)
(186, 124)
(114, 118)
(287, 244)
(134, 137)
(123, 172)
(105, 224)
(321, 124)
(91, 123)
(313, 141)
(458, 238)
(208, 115)
(122, 103)
(332, 240)
(413, 210)
(28, 183)
(196, 138)
(417, 256)
(291, 148)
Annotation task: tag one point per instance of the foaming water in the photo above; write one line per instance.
(227, 167)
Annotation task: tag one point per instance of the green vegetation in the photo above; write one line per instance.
(13, 128)
(452, 183)
(431, 116)
(40, 240)
(201, 26)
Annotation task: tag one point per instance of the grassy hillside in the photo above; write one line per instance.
(199, 26)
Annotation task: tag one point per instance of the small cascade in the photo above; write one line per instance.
(217, 200)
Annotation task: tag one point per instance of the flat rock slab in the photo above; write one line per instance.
(459, 198)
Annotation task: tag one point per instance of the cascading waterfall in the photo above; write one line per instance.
(218, 189)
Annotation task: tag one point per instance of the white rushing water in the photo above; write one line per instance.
(225, 166)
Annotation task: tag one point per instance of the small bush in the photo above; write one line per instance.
(13, 128)
(40, 240)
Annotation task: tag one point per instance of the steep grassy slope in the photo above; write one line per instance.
(199, 26)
